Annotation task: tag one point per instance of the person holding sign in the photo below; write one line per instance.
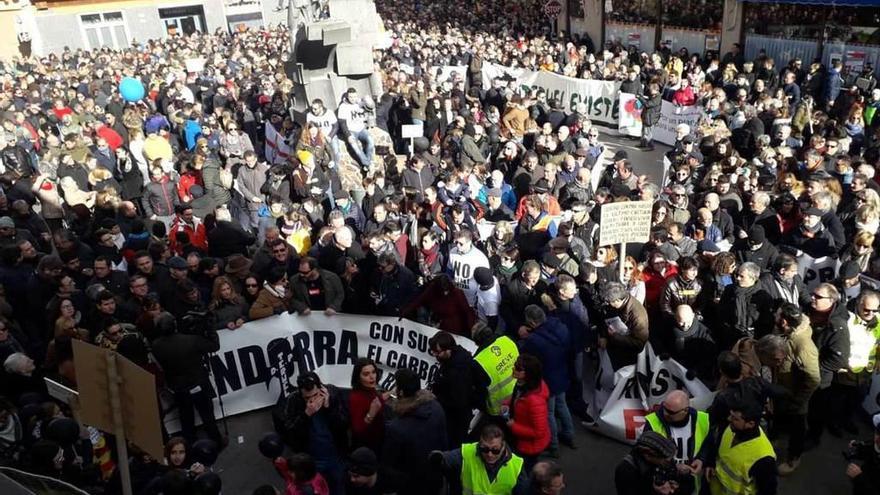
(625, 329)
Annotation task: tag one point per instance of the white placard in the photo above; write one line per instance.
(412, 131)
(625, 221)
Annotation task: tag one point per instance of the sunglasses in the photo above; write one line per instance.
(486, 450)
(864, 310)
(251, 285)
(819, 296)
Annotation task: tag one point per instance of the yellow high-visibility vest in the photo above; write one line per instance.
(497, 361)
(734, 462)
(475, 480)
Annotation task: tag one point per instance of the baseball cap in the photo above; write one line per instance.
(177, 263)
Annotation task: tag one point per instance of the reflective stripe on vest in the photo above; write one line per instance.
(475, 480)
(734, 462)
(497, 361)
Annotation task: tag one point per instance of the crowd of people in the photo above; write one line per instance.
(693, 14)
(147, 227)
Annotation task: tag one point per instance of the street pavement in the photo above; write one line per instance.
(589, 469)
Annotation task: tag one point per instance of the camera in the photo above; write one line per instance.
(663, 474)
(196, 323)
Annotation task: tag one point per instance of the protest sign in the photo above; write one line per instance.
(626, 221)
(630, 121)
(599, 97)
(855, 61)
(671, 116)
(194, 64)
(261, 360)
(815, 271)
(637, 391)
(444, 73)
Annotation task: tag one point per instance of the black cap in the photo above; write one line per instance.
(620, 155)
(363, 462)
(177, 263)
(484, 278)
(757, 235)
(813, 212)
(688, 139)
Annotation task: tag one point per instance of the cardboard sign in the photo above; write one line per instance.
(195, 64)
(626, 221)
(412, 131)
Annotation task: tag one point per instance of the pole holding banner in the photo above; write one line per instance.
(113, 381)
(621, 259)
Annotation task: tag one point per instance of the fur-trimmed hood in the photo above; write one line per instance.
(412, 405)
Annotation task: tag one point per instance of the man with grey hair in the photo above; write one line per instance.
(679, 208)
(746, 308)
(720, 218)
(548, 339)
(623, 332)
(760, 213)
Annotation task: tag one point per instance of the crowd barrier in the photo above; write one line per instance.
(631, 34)
(781, 50)
(695, 40)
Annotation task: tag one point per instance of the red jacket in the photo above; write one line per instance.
(654, 284)
(531, 424)
(198, 237)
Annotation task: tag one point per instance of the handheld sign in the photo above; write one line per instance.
(626, 221)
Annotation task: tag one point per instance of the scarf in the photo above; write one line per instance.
(429, 256)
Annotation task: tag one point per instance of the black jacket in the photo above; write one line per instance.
(228, 238)
(418, 428)
(795, 292)
(295, 427)
(832, 341)
(651, 108)
(453, 385)
(180, 356)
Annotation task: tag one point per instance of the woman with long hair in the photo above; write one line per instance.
(633, 280)
(229, 307)
(430, 256)
(528, 415)
(366, 405)
(312, 139)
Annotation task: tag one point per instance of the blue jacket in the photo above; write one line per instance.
(191, 132)
(551, 343)
(573, 315)
(833, 85)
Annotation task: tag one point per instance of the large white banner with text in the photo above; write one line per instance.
(600, 97)
(262, 359)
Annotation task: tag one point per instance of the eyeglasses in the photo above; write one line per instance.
(667, 412)
(864, 310)
(487, 450)
(279, 251)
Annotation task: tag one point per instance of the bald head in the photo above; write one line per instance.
(677, 400)
(343, 237)
(684, 316)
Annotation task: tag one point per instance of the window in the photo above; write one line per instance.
(104, 30)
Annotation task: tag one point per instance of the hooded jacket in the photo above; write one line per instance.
(418, 428)
(551, 343)
(832, 341)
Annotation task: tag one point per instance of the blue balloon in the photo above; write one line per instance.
(131, 89)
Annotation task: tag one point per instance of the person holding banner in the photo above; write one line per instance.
(651, 106)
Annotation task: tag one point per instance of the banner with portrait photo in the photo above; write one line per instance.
(630, 122)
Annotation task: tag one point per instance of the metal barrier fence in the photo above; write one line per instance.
(692, 39)
(852, 53)
(781, 50)
(631, 34)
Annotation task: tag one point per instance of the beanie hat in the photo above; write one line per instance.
(657, 443)
(363, 462)
(484, 278)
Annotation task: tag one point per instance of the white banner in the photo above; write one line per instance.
(638, 390)
(600, 97)
(257, 359)
(441, 74)
(815, 271)
(671, 116)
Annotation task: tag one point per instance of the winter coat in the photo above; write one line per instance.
(332, 288)
(799, 372)
(450, 312)
(832, 341)
(418, 428)
(214, 189)
(296, 426)
(394, 290)
(250, 181)
(678, 292)
(453, 386)
(745, 311)
(654, 285)
(269, 303)
(551, 343)
(624, 347)
(160, 198)
(530, 427)
(780, 291)
(228, 311)
(228, 238)
(651, 107)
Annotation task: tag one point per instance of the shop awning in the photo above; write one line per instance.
(837, 3)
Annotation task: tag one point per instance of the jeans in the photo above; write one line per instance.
(198, 400)
(575, 394)
(335, 143)
(561, 425)
(361, 144)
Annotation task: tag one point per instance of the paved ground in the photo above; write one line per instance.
(588, 470)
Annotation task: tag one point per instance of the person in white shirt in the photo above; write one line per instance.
(488, 296)
(353, 116)
(464, 259)
(327, 122)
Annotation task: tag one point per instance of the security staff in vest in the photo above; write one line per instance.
(496, 357)
(486, 467)
(687, 428)
(742, 461)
